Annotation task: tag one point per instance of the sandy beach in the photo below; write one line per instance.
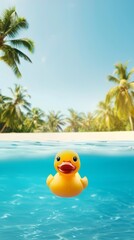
(79, 136)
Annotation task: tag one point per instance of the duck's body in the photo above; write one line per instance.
(66, 187)
(67, 182)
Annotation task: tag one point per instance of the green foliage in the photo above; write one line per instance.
(86, 122)
(10, 26)
(115, 113)
(12, 114)
(16, 114)
(34, 119)
(122, 96)
(73, 121)
(54, 122)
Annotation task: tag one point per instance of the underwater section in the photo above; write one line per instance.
(103, 211)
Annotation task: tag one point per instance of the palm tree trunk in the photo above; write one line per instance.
(131, 123)
(3, 128)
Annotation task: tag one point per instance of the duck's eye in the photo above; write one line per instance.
(58, 158)
(75, 159)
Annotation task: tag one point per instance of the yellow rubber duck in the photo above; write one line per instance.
(67, 182)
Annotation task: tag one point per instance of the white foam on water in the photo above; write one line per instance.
(6, 215)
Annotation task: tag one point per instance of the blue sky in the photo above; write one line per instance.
(77, 42)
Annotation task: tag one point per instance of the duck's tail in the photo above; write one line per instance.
(84, 182)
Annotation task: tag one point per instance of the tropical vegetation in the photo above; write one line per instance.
(17, 115)
(114, 113)
(10, 26)
(123, 93)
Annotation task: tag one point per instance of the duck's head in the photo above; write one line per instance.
(67, 162)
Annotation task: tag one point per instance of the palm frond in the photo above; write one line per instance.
(13, 65)
(27, 107)
(130, 73)
(24, 42)
(16, 70)
(10, 53)
(132, 94)
(22, 55)
(101, 104)
(112, 93)
(132, 112)
(7, 19)
(113, 79)
(11, 59)
(1, 26)
(121, 70)
(4, 99)
(130, 85)
(16, 26)
(123, 104)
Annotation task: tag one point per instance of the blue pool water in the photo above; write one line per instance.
(104, 211)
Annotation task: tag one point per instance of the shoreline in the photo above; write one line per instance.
(69, 136)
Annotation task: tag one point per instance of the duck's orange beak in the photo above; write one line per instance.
(66, 167)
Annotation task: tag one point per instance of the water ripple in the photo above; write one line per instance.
(32, 148)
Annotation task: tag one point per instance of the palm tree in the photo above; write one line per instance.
(55, 121)
(3, 100)
(10, 26)
(104, 116)
(87, 122)
(74, 121)
(123, 93)
(34, 120)
(12, 114)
